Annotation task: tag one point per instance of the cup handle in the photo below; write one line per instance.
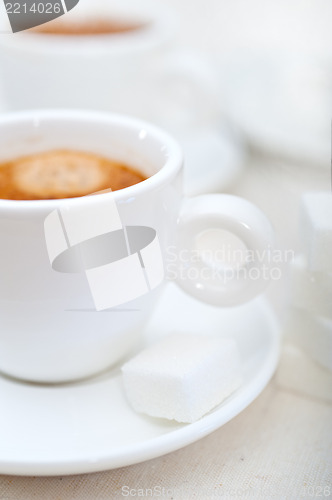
(209, 282)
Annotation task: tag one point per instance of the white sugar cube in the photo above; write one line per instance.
(183, 376)
(311, 290)
(313, 334)
(316, 229)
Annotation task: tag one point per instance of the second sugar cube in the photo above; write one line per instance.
(183, 376)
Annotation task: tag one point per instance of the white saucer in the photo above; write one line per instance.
(282, 104)
(89, 426)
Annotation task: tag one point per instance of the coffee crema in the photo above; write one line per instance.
(90, 27)
(63, 174)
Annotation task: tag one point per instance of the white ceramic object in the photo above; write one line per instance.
(50, 330)
(218, 148)
(134, 72)
(281, 103)
(89, 426)
(139, 73)
(41, 70)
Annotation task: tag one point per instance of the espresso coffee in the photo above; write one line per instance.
(63, 174)
(90, 27)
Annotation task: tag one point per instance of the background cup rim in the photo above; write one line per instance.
(159, 24)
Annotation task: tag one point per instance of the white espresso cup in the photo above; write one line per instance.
(80, 277)
(97, 71)
(134, 72)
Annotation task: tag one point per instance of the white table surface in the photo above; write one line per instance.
(280, 446)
